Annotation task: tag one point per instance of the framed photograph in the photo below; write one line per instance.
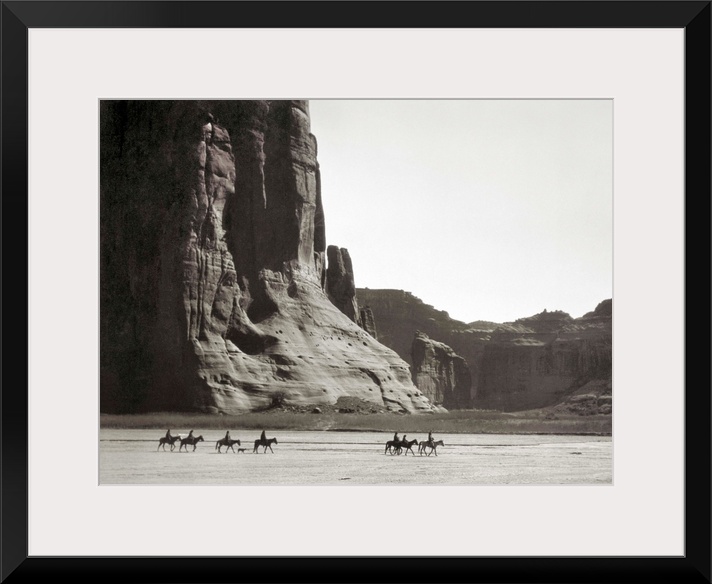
(323, 299)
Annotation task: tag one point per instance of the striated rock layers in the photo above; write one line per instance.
(440, 373)
(542, 360)
(533, 362)
(213, 266)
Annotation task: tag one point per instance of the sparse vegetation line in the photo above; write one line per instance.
(456, 422)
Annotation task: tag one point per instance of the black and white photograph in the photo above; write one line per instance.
(323, 294)
(356, 292)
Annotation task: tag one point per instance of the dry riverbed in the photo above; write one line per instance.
(130, 456)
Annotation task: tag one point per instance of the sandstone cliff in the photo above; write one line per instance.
(398, 315)
(441, 374)
(533, 362)
(368, 321)
(340, 286)
(213, 266)
(341, 289)
(541, 360)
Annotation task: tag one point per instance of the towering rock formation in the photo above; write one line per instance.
(440, 373)
(533, 362)
(368, 321)
(213, 265)
(340, 285)
(341, 289)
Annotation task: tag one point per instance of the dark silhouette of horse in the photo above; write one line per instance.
(226, 442)
(430, 444)
(408, 446)
(267, 443)
(397, 446)
(190, 440)
(392, 446)
(170, 441)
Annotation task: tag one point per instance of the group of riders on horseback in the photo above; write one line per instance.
(227, 441)
(184, 441)
(397, 446)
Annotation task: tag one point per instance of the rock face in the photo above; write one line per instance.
(440, 373)
(340, 286)
(533, 362)
(368, 321)
(590, 399)
(541, 360)
(341, 289)
(399, 315)
(213, 266)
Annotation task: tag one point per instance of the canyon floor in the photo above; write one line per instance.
(130, 456)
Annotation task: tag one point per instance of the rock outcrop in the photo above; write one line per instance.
(593, 398)
(440, 373)
(399, 315)
(340, 287)
(533, 362)
(213, 266)
(368, 322)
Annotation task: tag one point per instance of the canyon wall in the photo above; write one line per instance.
(441, 374)
(534, 362)
(542, 360)
(398, 315)
(214, 266)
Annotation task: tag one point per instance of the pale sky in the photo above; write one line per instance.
(488, 209)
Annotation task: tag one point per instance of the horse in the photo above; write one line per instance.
(190, 440)
(408, 445)
(170, 441)
(392, 446)
(423, 444)
(266, 443)
(396, 447)
(226, 442)
(433, 447)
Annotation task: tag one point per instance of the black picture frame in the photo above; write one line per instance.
(692, 16)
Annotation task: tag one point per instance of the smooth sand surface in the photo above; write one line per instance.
(332, 458)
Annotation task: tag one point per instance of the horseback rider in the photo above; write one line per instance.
(395, 437)
(263, 436)
(227, 436)
(430, 436)
(190, 434)
(168, 434)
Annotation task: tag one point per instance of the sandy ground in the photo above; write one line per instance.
(331, 458)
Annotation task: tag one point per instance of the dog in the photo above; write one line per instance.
(240, 450)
